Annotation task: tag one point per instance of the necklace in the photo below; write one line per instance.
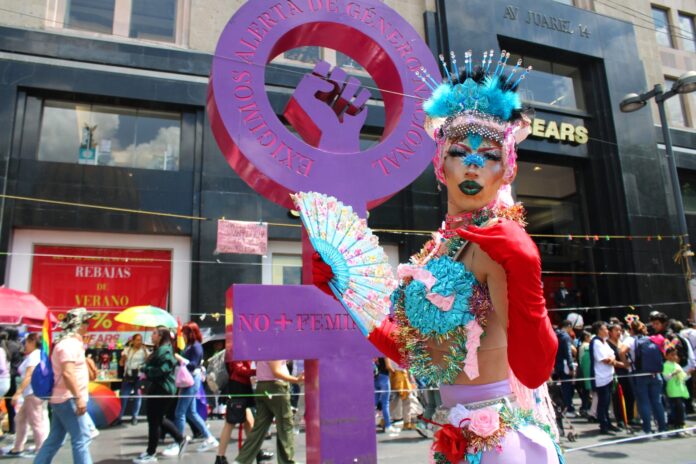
(468, 218)
(481, 216)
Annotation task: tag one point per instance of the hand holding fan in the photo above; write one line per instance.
(363, 280)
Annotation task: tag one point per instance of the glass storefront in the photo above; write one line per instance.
(554, 84)
(554, 207)
(109, 136)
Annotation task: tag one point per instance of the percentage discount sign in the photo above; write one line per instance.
(102, 320)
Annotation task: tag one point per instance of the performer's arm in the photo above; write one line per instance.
(532, 343)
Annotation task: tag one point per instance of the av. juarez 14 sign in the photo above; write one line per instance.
(328, 110)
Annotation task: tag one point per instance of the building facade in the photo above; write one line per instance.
(104, 104)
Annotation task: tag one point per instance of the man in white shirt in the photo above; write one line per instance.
(604, 363)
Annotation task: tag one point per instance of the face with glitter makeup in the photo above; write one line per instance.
(474, 171)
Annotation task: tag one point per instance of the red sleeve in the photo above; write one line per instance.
(384, 339)
(532, 343)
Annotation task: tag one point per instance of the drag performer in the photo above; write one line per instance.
(469, 314)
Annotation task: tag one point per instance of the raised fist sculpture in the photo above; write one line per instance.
(328, 109)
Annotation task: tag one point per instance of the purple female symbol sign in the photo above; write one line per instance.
(328, 110)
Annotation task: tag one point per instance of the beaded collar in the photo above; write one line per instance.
(467, 218)
(479, 217)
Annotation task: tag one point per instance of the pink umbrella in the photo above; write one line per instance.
(18, 307)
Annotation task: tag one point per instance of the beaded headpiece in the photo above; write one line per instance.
(479, 101)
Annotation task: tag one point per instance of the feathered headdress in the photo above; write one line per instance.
(478, 101)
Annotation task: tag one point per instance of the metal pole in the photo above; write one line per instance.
(676, 187)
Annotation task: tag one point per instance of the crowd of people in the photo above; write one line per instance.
(151, 372)
(627, 374)
(620, 374)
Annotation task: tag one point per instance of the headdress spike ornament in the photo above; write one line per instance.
(500, 61)
(490, 59)
(514, 70)
(429, 77)
(425, 81)
(455, 70)
(469, 60)
(444, 66)
(483, 62)
(521, 78)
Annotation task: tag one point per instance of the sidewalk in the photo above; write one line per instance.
(119, 445)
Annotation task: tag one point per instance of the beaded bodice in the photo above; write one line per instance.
(439, 298)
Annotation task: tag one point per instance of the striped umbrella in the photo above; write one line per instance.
(147, 316)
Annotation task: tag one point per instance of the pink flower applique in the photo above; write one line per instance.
(484, 422)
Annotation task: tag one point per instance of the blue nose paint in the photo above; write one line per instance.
(474, 159)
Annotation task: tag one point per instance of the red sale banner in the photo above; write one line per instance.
(107, 279)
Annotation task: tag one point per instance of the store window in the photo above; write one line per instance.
(674, 107)
(308, 56)
(688, 188)
(554, 84)
(90, 15)
(105, 135)
(687, 179)
(686, 30)
(661, 23)
(155, 20)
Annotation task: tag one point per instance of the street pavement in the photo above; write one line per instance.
(119, 445)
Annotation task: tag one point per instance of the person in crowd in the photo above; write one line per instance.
(104, 361)
(15, 355)
(603, 363)
(403, 404)
(298, 402)
(564, 368)
(585, 386)
(648, 381)
(159, 373)
(30, 408)
(132, 360)
(239, 408)
(70, 391)
(683, 346)
(623, 408)
(676, 390)
(430, 399)
(192, 359)
(4, 367)
(273, 401)
(383, 370)
(563, 297)
(689, 334)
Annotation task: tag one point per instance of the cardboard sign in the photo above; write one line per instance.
(240, 237)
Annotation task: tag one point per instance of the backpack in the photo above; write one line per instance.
(648, 356)
(217, 377)
(42, 378)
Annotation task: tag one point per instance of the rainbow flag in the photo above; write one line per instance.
(46, 339)
(180, 342)
(42, 377)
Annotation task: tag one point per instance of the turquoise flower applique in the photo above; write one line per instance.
(453, 279)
